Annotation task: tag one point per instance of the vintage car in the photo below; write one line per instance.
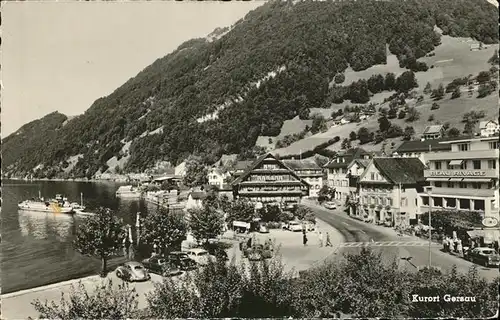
(200, 256)
(263, 229)
(484, 256)
(182, 261)
(160, 265)
(330, 205)
(132, 271)
(293, 226)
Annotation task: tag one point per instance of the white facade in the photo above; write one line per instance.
(489, 128)
(216, 178)
(180, 170)
(466, 178)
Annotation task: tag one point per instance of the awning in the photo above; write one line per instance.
(489, 235)
(456, 179)
(476, 180)
(437, 179)
(455, 162)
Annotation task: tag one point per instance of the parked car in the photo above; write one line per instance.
(484, 256)
(161, 265)
(330, 205)
(182, 261)
(293, 226)
(132, 271)
(200, 256)
(310, 226)
(263, 229)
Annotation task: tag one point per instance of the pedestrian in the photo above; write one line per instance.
(320, 237)
(328, 242)
(445, 244)
(304, 239)
(459, 247)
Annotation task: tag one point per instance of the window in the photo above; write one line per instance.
(463, 147)
(451, 184)
(491, 185)
(462, 185)
(463, 166)
(437, 184)
(493, 145)
(372, 176)
(437, 165)
(476, 164)
(492, 164)
(476, 185)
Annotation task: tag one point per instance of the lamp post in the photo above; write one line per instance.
(429, 189)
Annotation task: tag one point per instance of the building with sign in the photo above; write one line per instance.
(389, 190)
(269, 181)
(337, 174)
(466, 177)
(308, 170)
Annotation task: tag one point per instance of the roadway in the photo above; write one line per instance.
(393, 246)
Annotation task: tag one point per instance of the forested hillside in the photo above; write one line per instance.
(272, 65)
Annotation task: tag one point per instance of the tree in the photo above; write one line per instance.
(453, 132)
(240, 210)
(390, 81)
(196, 173)
(205, 223)
(446, 125)
(469, 128)
(438, 94)
(384, 124)
(318, 124)
(494, 58)
(394, 131)
(100, 236)
(376, 83)
(104, 302)
(484, 90)
(431, 118)
(393, 112)
(457, 92)
(271, 213)
(401, 114)
(305, 214)
(428, 88)
(352, 136)
(435, 106)
(364, 135)
(406, 81)
(413, 114)
(409, 132)
(339, 78)
(165, 228)
(483, 77)
(346, 144)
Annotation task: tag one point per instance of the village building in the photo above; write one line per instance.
(433, 132)
(354, 170)
(466, 177)
(240, 167)
(269, 181)
(195, 199)
(489, 128)
(310, 171)
(216, 177)
(336, 168)
(389, 191)
(419, 148)
(180, 170)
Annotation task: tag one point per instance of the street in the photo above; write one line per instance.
(393, 245)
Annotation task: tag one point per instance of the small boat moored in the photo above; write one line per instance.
(128, 192)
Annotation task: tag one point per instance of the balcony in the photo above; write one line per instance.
(465, 173)
(461, 192)
(474, 154)
(264, 192)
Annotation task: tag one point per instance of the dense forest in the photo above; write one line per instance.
(306, 44)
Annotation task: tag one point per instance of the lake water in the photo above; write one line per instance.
(36, 247)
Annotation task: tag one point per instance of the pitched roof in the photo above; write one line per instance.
(400, 170)
(348, 155)
(198, 195)
(242, 165)
(301, 164)
(257, 162)
(361, 162)
(483, 124)
(433, 129)
(425, 145)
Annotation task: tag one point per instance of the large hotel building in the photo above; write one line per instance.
(464, 178)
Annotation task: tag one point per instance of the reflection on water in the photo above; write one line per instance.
(45, 225)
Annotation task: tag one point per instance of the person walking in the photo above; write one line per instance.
(304, 239)
(320, 238)
(459, 247)
(328, 242)
(445, 244)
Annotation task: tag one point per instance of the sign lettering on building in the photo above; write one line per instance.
(457, 173)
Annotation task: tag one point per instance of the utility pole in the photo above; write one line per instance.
(430, 233)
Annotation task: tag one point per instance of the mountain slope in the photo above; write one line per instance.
(271, 66)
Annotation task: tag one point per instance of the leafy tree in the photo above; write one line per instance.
(100, 236)
(205, 223)
(304, 213)
(408, 133)
(393, 112)
(438, 93)
(165, 228)
(346, 144)
(352, 136)
(401, 114)
(483, 77)
(390, 81)
(413, 115)
(428, 88)
(196, 173)
(469, 128)
(435, 106)
(240, 210)
(364, 135)
(380, 136)
(394, 131)
(318, 124)
(446, 125)
(376, 83)
(271, 213)
(325, 193)
(104, 302)
(456, 93)
(453, 132)
(339, 78)
(494, 58)
(406, 81)
(484, 90)
(384, 124)
(431, 118)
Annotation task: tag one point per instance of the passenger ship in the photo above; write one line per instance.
(57, 205)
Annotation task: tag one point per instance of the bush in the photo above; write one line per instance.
(431, 118)
(434, 106)
(401, 114)
(273, 225)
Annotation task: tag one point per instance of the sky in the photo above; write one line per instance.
(62, 56)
